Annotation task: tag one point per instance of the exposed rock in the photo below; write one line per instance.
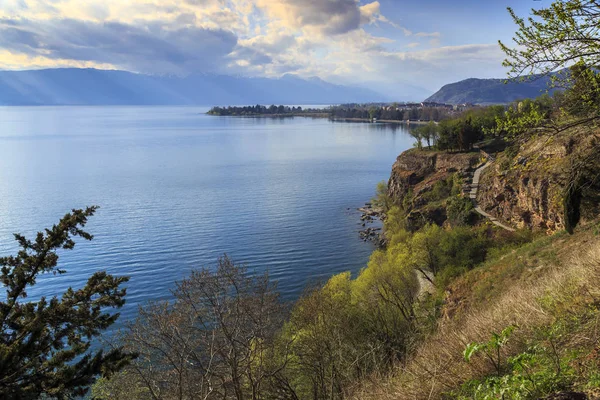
(527, 189)
(417, 171)
(370, 214)
(523, 200)
(523, 188)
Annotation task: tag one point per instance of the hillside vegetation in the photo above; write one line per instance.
(546, 294)
(490, 91)
(450, 307)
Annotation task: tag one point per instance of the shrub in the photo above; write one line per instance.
(461, 211)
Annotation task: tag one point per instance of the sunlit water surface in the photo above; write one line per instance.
(178, 188)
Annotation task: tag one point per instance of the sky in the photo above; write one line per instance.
(388, 45)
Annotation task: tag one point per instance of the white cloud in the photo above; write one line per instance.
(325, 38)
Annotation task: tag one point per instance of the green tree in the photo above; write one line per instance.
(374, 112)
(425, 250)
(582, 99)
(427, 132)
(555, 37)
(45, 344)
(382, 199)
(418, 136)
(448, 135)
(521, 117)
(460, 211)
(467, 134)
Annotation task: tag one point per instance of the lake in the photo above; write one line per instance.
(178, 188)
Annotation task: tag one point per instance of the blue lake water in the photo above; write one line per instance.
(178, 188)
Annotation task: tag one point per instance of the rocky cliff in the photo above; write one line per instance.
(525, 186)
(423, 181)
(523, 198)
(416, 172)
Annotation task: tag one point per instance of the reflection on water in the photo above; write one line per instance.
(178, 188)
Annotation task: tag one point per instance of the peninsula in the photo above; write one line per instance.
(367, 112)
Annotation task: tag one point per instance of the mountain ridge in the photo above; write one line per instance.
(490, 91)
(89, 86)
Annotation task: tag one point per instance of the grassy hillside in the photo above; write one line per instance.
(523, 320)
(548, 291)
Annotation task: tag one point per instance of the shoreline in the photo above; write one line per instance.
(286, 115)
(326, 115)
(370, 215)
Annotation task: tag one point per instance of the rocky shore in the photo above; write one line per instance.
(370, 215)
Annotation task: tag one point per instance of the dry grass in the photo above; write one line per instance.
(553, 285)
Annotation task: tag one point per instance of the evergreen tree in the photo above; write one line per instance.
(45, 344)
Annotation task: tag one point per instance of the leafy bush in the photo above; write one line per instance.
(461, 211)
(382, 199)
(537, 372)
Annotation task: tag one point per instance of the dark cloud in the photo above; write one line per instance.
(153, 47)
(330, 17)
(333, 16)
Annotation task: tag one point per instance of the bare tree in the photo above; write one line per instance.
(217, 339)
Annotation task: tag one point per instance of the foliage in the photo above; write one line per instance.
(123, 385)
(582, 99)
(440, 190)
(417, 135)
(262, 110)
(394, 112)
(216, 339)
(554, 37)
(461, 211)
(562, 35)
(458, 134)
(531, 375)
(45, 343)
(428, 132)
(395, 222)
(542, 369)
(491, 349)
(382, 199)
(521, 117)
(425, 246)
(350, 328)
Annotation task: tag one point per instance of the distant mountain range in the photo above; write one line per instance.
(489, 91)
(73, 86)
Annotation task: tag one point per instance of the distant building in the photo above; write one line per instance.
(436, 105)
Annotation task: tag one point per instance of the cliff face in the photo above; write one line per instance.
(525, 186)
(417, 171)
(523, 199)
